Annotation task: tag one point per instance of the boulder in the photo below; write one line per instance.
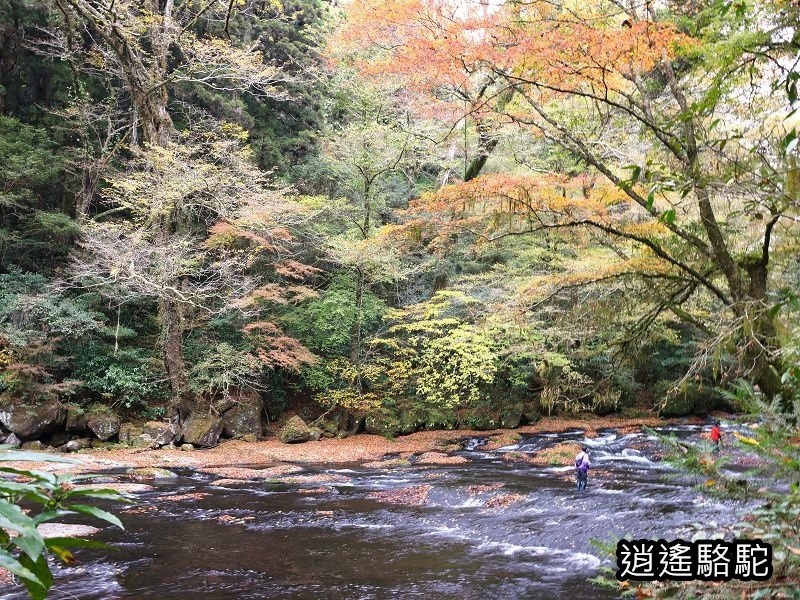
(59, 438)
(480, 419)
(510, 420)
(349, 422)
(34, 445)
(13, 441)
(150, 473)
(315, 434)
(330, 427)
(163, 433)
(382, 423)
(141, 441)
(30, 422)
(187, 447)
(76, 419)
(102, 422)
(79, 444)
(531, 413)
(295, 431)
(128, 431)
(202, 430)
(241, 420)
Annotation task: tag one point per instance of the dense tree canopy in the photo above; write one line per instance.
(429, 211)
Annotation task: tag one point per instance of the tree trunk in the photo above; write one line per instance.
(174, 364)
(486, 145)
(355, 331)
(761, 349)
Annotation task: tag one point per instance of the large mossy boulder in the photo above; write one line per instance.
(531, 413)
(382, 423)
(242, 420)
(390, 422)
(76, 419)
(350, 423)
(510, 420)
(30, 421)
(128, 431)
(480, 419)
(102, 421)
(202, 430)
(295, 431)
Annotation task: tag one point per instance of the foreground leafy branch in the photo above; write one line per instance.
(24, 551)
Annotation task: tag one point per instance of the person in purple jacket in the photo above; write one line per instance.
(582, 468)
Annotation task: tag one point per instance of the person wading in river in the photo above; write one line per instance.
(716, 436)
(582, 468)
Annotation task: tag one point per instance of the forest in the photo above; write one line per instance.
(303, 218)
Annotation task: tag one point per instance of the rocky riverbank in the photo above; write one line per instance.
(365, 449)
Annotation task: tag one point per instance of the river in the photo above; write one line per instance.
(190, 537)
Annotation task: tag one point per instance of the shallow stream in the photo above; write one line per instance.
(273, 540)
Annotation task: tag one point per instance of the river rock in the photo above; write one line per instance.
(76, 419)
(243, 419)
(187, 447)
(102, 422)
(349, 422)
(315, 434)
(34, 445)
(79, 444)
(128, 431)
(150, 473)
(163, 433)
(13, 441)
(295, 431)
(59, 438)
(29, 421)
(383, 424)
(142, 440)
(202, 430)
(481, 420)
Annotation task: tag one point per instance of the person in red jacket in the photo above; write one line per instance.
(716, 436)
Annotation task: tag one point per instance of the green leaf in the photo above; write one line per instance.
(651, 198)
(29, 540)
(44, 578)
(37, 475)
(50, 515)
(23, 489)
(101, 493)
(68, 542)
(668, 217)
(96, 512)
(789, 141)
(11, 564)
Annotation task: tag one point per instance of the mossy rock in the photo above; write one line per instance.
(511, 420)
(531, 413)
(437, 419)
(202, 430)
(385, 423)
(295, 431)
(102, 421)
(150, 473)
(128, 431)
(76, 418)
(31, 421)
(480, 419)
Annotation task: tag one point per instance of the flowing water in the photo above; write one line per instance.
(270, 540)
